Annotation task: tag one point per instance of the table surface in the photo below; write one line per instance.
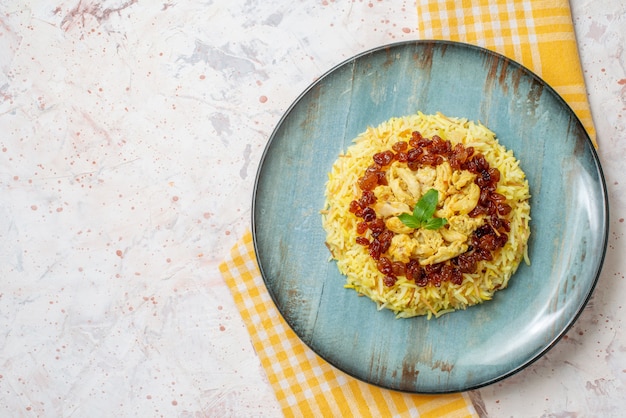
(130, 137)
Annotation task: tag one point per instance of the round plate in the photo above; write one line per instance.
(465, 349)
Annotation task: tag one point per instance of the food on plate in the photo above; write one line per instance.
(427, 214)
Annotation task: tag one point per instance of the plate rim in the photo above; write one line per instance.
(528, 72)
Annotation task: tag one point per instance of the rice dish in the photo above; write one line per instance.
(478, 222)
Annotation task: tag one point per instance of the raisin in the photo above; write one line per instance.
(488, 242)
(483, 179)
(374, 249)
(367, 198)
(432, 269)
(398, 268)
(369, 181)
(413, 165)
(400, 146)
(457, 277)
(424, 143)
(440, 146)
(495, 221)
(416, 137)
(389, 281)
(362, 241)
(466, 263)
(369, 214)
(446, 272)
(382, 178)
(384, 266)
(477, 211)
(482, 254)
(413, 270)
(494, 175)
(384, 246)
(377, 226)
(435, 279)
(383, 158)
(413, 154)
(483, 230)
(430, 159)
(503, 209)
(401, 157)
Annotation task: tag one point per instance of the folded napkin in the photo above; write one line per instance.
(538, 34)
(305, 384)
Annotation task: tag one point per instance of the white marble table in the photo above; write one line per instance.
(130, 134)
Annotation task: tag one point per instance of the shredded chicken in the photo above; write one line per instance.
(458, 195)
(394, 224)
(387, 209)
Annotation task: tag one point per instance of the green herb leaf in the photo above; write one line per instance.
(435, 223)
(426, 206)
(409, 220)
(423, 213)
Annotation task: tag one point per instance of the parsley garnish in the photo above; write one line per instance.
(423, 213)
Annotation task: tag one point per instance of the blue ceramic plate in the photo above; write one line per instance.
(465, 349)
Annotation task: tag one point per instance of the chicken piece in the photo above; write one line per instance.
(394, 224)
(383, 193)
(399, 189)
(443, 180)
(428, 241)
(426, 176)
(410, 181)
(387, 209)
(464, 224)
(402, 247)
(450, 235)
(444, 211)
(432, 248)
(461, 178)
(464, 201)
(445, 253)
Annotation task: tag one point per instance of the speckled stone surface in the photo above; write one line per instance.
(130, 134)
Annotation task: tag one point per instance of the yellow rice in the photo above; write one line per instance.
(405, 298)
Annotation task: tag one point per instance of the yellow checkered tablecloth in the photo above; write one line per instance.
(305, 384)
(539, 34)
